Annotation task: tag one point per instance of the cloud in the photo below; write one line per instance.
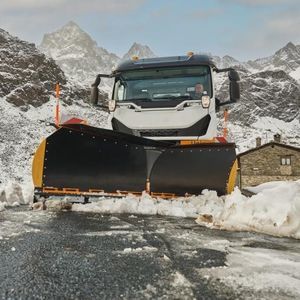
(268, 33)
(286, 23)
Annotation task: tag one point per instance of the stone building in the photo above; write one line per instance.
(269, 162)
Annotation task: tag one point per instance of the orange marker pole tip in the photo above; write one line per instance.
(57, 89)
(57, 92)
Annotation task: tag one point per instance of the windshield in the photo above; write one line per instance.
(163, 84)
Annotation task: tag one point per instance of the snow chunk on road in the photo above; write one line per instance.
(11, 195)
(139, 249)
(146, 205)
(14, 194)
(275, 210)
(2, 206)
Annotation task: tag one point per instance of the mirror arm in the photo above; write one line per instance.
(223, 70)
(219, 103)
(105, 75)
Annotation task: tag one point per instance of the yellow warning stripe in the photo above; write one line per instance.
(232, 177)
(194, 142)
(38, 165)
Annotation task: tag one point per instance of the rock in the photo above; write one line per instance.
(28, 77)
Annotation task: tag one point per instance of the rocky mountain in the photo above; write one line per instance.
(265, 94)
(27, 76)
(81, 58)
(286, 59)
(142, 51)
(225, 61)
(78, 54)
(270, 86)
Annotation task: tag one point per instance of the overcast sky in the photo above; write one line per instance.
(245, 29)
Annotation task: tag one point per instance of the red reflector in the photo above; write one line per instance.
(221, 139)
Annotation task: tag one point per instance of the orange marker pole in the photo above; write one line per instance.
(225, 130)
(57, 109)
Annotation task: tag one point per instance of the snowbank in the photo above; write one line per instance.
(14, 194)
(146, 205)
(275, 210)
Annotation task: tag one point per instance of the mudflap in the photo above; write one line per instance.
(79, 159)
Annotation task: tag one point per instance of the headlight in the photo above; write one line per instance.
(112, 105)
(205, 100)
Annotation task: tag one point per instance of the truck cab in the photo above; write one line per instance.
(167, 98)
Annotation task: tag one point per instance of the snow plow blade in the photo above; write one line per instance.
(86, 161)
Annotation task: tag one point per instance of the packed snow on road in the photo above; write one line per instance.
(274, 208)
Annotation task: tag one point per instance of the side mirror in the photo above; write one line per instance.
(234, 86)
(95, 91)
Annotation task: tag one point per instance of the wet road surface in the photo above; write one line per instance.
(69, 255)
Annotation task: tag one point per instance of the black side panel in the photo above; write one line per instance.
(192, 169)
(85, 160)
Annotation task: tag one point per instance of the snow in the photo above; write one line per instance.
(22, 131)
(2, 206)
(146, 205)
(139, 249)
(274, 210)
(13, 195)
(181, 280)
(264, 186)
(265, 128)
(262, 270)
(296, 74)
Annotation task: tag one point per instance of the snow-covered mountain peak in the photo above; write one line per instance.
(225, 61)
(287, 58)
(142, 51)
(290, 51)
(71, 27)
(69, 38)
(78, 54)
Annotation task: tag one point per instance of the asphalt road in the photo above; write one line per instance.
(69, 255)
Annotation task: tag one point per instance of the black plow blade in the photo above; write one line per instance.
(83, 160)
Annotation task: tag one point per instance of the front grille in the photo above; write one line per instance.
(198, 129)
(159, 132)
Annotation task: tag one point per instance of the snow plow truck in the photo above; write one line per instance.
(163, 140)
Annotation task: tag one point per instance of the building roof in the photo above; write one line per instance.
(171, 61)
(267, 145)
